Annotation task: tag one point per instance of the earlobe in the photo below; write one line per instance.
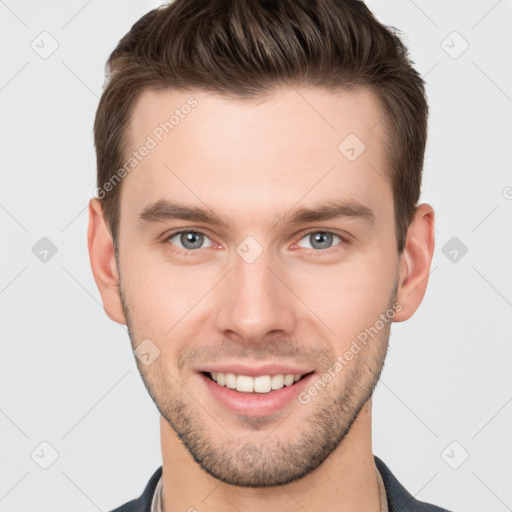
(103, 262)
(415, 262)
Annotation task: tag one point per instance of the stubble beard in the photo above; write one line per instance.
(265, 460)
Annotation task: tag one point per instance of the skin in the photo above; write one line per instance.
(253, 163)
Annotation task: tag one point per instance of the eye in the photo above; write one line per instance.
(320, 239)
(188, 239)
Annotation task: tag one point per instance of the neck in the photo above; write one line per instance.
(345, 482)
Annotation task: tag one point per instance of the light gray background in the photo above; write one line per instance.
(68, 376)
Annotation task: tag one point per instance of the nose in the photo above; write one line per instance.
(256, 301)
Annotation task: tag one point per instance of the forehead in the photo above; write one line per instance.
(242, 157)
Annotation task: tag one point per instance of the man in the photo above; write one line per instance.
(257, 230)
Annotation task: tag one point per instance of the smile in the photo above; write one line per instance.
(258, 394)
(258, 384)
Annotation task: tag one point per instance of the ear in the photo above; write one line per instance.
(415, 262)
(103, 262)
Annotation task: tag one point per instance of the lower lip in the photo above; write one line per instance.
(255, 404)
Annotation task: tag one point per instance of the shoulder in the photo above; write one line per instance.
(399, 499)
(143, 502)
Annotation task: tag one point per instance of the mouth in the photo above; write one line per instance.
(255, 391)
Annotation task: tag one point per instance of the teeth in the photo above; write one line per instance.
(277, 381)
(289, 379)
(230, 380)
(260, 384)
(263, 384)
(243, 383)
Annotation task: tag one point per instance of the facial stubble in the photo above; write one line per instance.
(260, 458)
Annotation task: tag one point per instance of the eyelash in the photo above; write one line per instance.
(316, 252)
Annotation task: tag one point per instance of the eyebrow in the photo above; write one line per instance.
(332, 210)
(163, 210)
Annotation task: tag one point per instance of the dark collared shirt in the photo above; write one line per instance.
(397, 498)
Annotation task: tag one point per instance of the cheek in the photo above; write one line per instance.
(348, 298)
(162, 294)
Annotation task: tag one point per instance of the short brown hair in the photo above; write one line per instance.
(245, 49)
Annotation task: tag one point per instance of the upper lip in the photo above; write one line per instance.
(255, 371)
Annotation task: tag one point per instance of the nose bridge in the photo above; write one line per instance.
(256, 301)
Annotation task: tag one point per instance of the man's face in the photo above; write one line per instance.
(261, 294)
